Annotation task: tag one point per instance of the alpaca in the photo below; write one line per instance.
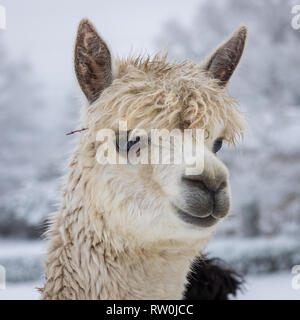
(128, 231)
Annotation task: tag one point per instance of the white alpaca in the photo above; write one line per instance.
(128, 231)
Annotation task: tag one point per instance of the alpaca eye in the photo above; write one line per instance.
(124, 145)
(217, 145)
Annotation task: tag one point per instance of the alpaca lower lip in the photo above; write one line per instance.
(198, 221)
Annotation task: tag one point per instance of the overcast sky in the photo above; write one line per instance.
(44, 31)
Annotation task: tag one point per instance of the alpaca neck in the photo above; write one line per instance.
(152, 273)
(89, 268)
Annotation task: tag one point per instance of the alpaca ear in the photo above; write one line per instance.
(92, 61)
(222, 63)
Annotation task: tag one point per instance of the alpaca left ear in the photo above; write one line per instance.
(92, 61)
(222, 63)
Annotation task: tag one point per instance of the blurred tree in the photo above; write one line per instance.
(250, 219)
(20, 108)
(32, 144)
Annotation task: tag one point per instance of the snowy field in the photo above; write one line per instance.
(20, 291)
(275, 286)
(264, 287)
(23, 266)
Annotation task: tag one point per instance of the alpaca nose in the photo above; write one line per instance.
(207, 195)
(207, 182)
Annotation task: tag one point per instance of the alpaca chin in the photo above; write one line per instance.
(203, 222)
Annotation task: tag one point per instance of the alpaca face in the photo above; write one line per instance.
(157, 201)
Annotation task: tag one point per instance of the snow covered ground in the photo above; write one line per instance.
(275, 286)
(20, 291)
(22, 260)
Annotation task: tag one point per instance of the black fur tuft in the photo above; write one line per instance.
(211, 279)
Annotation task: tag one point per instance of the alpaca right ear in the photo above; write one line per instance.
(92, 61)
(222, 63)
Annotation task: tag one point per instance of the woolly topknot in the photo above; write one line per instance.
(154, 93)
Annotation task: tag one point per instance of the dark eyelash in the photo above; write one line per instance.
(123, 144)
(131, 143)
(217, 145)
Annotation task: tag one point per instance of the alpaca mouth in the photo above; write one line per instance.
(204, 222)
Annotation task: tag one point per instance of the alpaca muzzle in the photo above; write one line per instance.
(205, 201)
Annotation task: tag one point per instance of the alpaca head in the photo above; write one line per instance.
(148, 202)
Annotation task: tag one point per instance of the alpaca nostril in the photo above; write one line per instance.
(215, 185)
(222, 185)
(206, 183)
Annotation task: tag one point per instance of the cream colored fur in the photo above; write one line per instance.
(116, 235)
